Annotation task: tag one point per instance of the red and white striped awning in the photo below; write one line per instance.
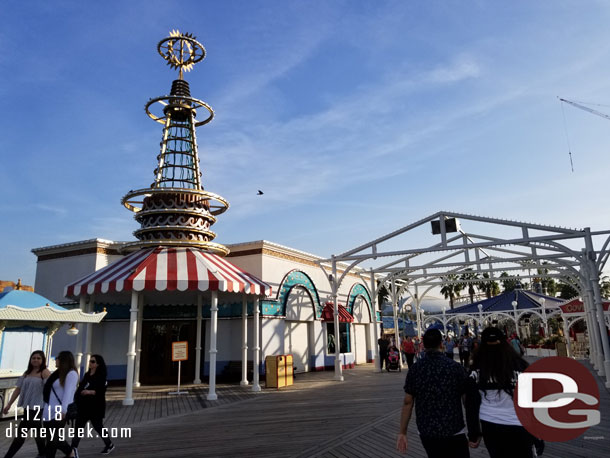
(169, 269)
(328, 313)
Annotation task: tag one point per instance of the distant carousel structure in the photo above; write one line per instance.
(490, 247)
(174, 260)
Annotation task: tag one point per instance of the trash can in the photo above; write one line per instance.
(278, 371)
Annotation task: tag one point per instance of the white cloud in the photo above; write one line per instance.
(58, 211)
(464, 67)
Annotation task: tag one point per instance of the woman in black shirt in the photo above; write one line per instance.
(91, 400)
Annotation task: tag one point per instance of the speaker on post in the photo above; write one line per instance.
(451, 225)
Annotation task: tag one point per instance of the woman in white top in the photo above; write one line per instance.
(58, 393)
(29, 390)
(489, 398)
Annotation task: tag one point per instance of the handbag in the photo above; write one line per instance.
(72, 411)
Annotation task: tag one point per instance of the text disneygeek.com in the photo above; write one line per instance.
(67, 433)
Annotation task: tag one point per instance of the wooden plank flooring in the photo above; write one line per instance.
(315, 418)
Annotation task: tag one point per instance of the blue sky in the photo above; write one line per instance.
(354, 117)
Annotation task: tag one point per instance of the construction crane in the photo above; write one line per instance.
(582, 107)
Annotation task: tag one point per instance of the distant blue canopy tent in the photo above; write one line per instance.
(409, 329)
(406, 327)
(437, 325)
(504, 303)
(497, 307)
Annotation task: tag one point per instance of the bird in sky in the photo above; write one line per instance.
(260, 193)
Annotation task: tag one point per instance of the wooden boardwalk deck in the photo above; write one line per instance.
(315, 418)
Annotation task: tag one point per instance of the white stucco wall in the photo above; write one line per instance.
(272, 337)
(361, 311)
(250, 263)
(267, 261)
(110, 341)
(53, 275)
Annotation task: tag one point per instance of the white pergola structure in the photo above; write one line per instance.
(414, 261)
(573, 311)
(174, 276)
(512, 306)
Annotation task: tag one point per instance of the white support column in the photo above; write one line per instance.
(78, 357)
(545, 320)
(213, 337)
(376, 366)
(89, 328)
(597, 308)
(244, 341)
(592, 327)
(256, 350)
(417, 313)
(198, 342)
(515, 304)
(602, 327)
(395, 316)
(566, 334)
(333, 284)
(136, 374)
(131, 349)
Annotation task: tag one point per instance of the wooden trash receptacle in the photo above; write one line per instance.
(289, 370)
(278, 371)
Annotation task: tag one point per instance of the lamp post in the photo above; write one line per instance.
(544, 319)
(515, 304)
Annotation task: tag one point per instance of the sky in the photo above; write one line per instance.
(354, 117)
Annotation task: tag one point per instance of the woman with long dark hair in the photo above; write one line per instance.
(58, 393)
(91, 400)
(29, 390)
(489, 399)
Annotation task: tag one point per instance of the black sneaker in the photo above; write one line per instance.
(108, 449)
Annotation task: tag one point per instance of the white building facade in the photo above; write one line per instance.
(291, 319)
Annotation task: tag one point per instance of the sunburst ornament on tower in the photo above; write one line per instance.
(175, 210)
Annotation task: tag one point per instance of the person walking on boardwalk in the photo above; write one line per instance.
(29, 390)
(449, 346)
(91, 400)
(408, 349)
(383, 351)
(465, 350)
(435, 384)
(489, 399)
(58, 393)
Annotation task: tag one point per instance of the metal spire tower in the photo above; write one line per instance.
(175, 210)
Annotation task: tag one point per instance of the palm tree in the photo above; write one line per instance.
(489, 287)
(509, 284)
(604, 284)
(567, 290)
(471, 276)
(383, 294)
(547, 285)
(450, 289)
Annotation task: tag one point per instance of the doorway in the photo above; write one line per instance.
(156, 365)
